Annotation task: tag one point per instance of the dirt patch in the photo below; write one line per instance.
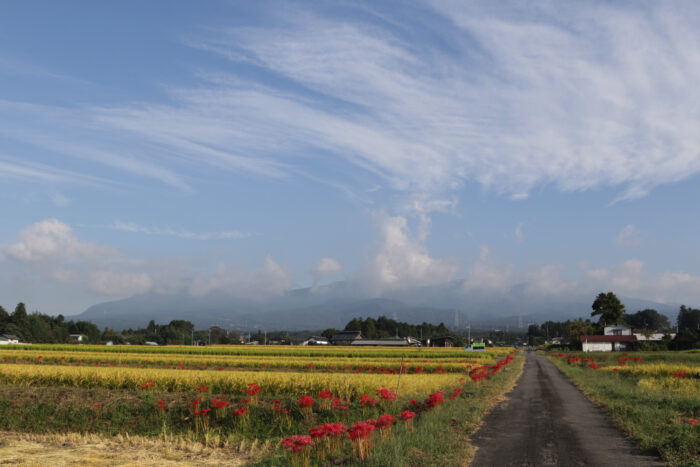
(74, 449)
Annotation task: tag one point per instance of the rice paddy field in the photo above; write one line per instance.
(262, 405)
(653, 396)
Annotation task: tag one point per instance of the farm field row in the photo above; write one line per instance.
(270, 350)
(457, 363)
(316, 416)
(653, 396)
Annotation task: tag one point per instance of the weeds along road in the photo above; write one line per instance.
(548, 421)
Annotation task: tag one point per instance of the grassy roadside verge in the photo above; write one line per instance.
(441, 435)
(656, 419)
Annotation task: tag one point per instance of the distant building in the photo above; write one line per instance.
(393, 342)
(654, 336)
(444, 341)
(607, 343)
(6, 339)
(76, 338)
(617, 330)
(316, 340)
(346, 337)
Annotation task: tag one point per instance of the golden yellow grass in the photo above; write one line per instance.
(457, 362)
(272, 383)
(75, 449)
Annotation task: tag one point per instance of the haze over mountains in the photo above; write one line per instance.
(336, 304)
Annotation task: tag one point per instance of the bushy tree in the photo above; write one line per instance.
(608, 307)
(647, 319)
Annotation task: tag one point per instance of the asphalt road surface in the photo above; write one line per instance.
(548, 421)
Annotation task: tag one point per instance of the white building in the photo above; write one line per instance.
(6, 339)
(608, 343)
(617, 330)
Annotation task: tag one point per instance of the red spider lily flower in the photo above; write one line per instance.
(310, 365)
(305, 401)
(338, 404)
(366, 400)
(218, 404)
(253, 389)
(221, 368)
(594, 366)
(384, 421)
(325, 394)
(97, 406)
(407, 415)
(202, 388)
(434, 400)
(693, 421)
(387, 394)
(679, 374)
(455, 393)
(360, 430)
(317, 432)
(296, 443)
(240, 412)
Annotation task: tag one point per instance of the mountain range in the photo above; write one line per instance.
(334, 305)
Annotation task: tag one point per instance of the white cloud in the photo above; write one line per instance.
(403, 260)
(573, 97)
(325, 267)
(628, 236)
(52, 239)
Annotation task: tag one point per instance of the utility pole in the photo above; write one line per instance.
(265, 341)
(469, 334)
(210, 336)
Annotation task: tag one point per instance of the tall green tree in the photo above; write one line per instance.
(647, 319)
(608, 307)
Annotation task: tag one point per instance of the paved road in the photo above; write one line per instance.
(548, 421)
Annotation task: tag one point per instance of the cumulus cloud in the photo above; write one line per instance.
(52, 239)
(325, 267)
(403, 260)
(628, 236)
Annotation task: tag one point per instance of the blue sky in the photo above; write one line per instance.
(255, 147)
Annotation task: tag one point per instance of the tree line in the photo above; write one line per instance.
(610, 310)
(383, 327)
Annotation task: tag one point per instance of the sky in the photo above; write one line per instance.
(253, 148)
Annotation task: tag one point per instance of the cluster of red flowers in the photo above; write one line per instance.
(594, 366)
(148, 384)
(217, 403)
(305, 401)
(434, 400)
(360, 430)
(296, 443)
(407, 415)
(384, 421)
(325, 394)
(455, 393)
(253, 389)
(161, 405)
(328, 429)
(367, 400)
(679, 374)
(202, 389)
(340, 404)
(387, 394)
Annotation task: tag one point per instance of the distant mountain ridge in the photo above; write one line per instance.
(334, 305)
